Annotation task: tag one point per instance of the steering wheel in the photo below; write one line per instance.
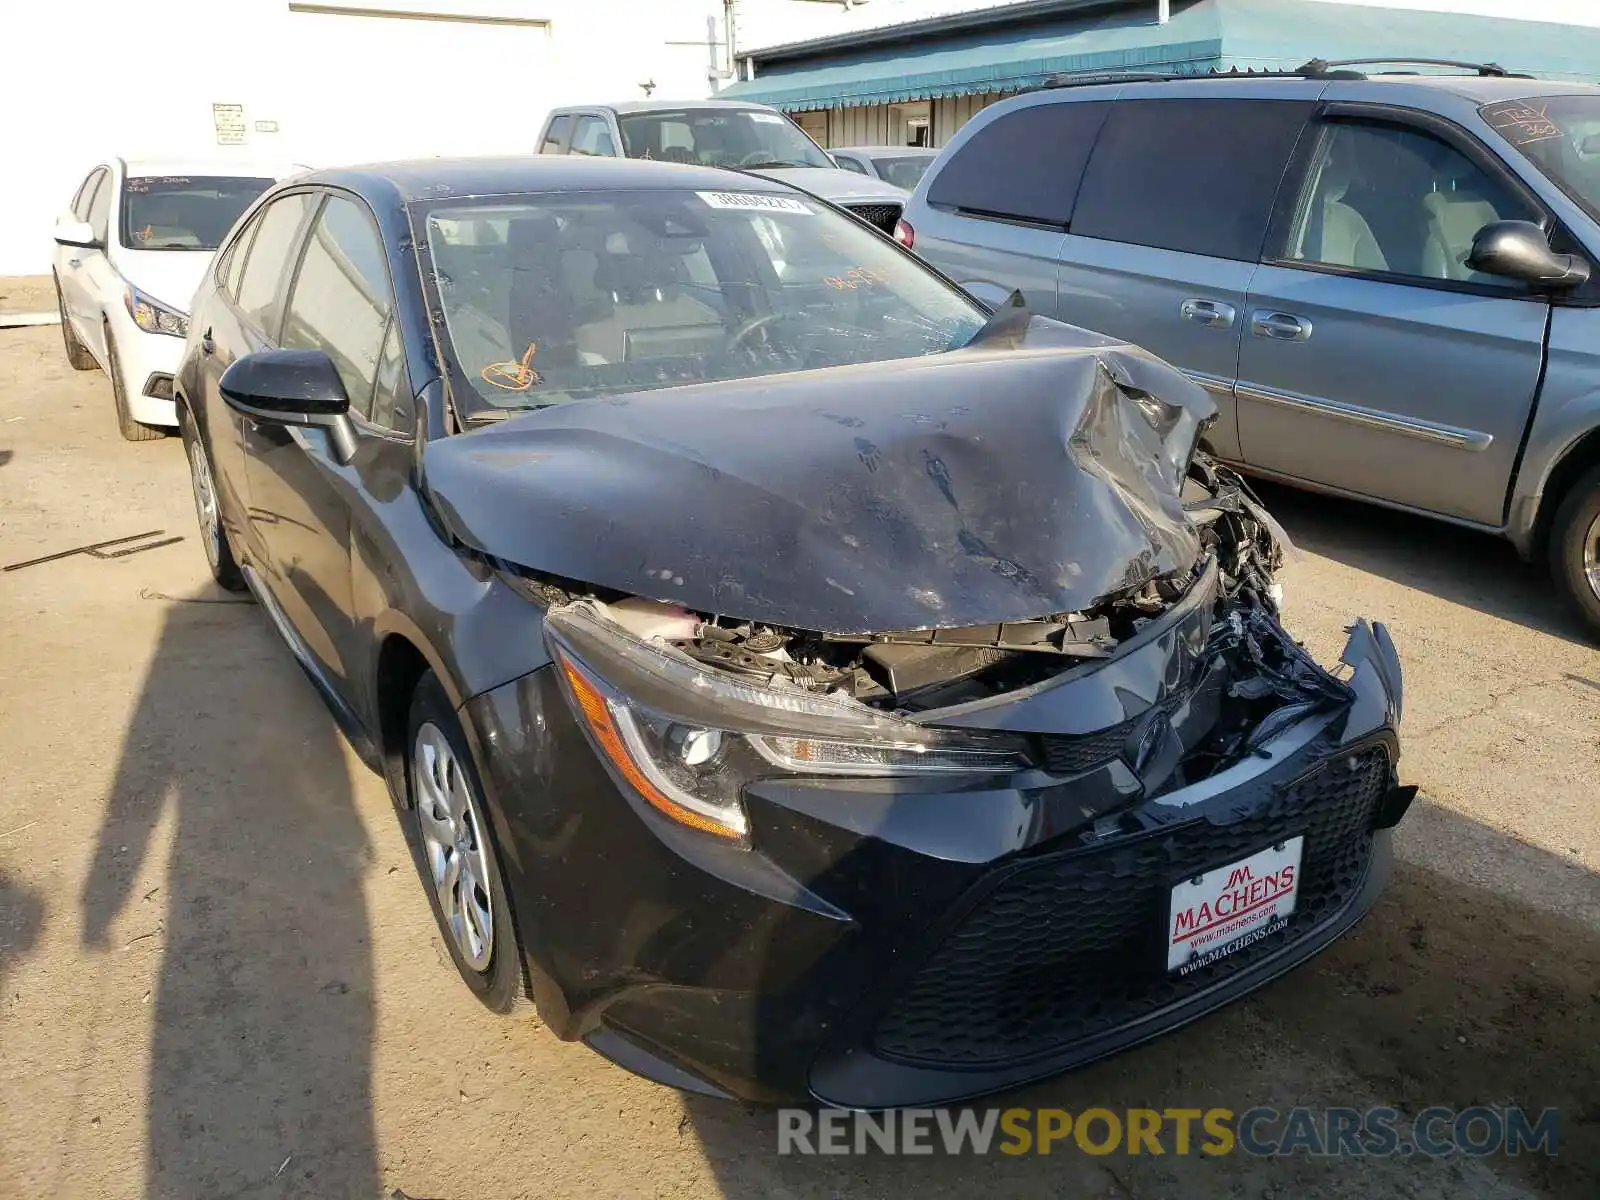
(739, 336)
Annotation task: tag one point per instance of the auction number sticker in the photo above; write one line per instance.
(756, 202)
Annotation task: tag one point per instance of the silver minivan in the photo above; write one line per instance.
(1387, 283)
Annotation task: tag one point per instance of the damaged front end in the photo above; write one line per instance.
(1150, 690)
(939, 723)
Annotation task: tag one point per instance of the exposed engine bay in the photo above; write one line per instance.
(1248, 661)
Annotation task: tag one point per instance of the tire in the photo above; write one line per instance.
(77, 353)
(447, 823)
(131, 430)
(208, 509)
(1575, 547)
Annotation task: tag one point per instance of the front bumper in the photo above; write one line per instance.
(888, 942)
(149, 361)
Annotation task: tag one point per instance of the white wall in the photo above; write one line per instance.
(103, 77)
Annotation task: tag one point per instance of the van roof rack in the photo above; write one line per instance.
(1316, 68)
(1320, 67)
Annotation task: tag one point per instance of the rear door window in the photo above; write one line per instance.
(1023, 166)
(237, 253)
(556, 135)
(1194, 175)
(80, 202)
(266, 270)
(100, 207)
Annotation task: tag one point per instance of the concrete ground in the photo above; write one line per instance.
(219, 976)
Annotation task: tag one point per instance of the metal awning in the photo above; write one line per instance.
(1205, 34)
(998, 61)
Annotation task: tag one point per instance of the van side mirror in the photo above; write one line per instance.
(292, 387)
(1520, 250)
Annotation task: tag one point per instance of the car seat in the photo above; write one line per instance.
(641, 282)
(1456, 211)
(1336, 233)
(540, 308)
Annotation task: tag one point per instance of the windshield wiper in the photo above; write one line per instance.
(760, 166)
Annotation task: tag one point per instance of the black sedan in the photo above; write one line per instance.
(794, 677)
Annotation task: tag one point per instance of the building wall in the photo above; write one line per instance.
(884, 124)
(107, 77)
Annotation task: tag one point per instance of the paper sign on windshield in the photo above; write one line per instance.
(755, 202)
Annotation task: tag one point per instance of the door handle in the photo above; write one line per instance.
(1282, 326)
(207, 346)
(1208, 312)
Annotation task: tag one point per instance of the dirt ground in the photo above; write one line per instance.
(218, 974)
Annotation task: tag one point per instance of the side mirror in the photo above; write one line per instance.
(1519, 250)
(292, 387)
(72, 232)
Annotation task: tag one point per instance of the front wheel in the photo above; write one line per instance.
(1575, 547)
(208, 508)
(131, 430)
(448, 829)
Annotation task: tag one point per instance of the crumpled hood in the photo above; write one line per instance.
(1030, 473)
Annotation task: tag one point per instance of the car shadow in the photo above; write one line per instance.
(21, 919)
(1466, 567)
(1446, 994)
(260, 1072)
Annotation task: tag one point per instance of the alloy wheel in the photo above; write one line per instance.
(205, 502)
(1591, 556)
(453, 835)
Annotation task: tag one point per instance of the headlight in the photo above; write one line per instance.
(152, 316)
(687, 738)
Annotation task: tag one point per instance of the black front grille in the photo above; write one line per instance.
(1075, 753)
(884, 216)
(1071, 947)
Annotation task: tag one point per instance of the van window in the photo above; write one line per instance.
(1197, 176)
(1389, 200)
(1023, 166)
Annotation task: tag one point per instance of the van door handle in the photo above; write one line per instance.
(1208, 312)
(1282, 326)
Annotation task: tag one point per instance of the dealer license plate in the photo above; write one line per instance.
(1231, 907)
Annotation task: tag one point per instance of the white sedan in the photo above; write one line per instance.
(130, 252)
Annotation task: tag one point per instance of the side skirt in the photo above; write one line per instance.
(349, 724)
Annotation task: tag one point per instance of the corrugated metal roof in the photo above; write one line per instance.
(1203, 35)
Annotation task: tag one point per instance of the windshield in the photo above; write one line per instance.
(184, 212)
(563, 296)
(719, 137)
(1560, 135)
(904, 171)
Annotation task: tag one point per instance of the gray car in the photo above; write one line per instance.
(1384, 282)
(720, 133)
(902, 166)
